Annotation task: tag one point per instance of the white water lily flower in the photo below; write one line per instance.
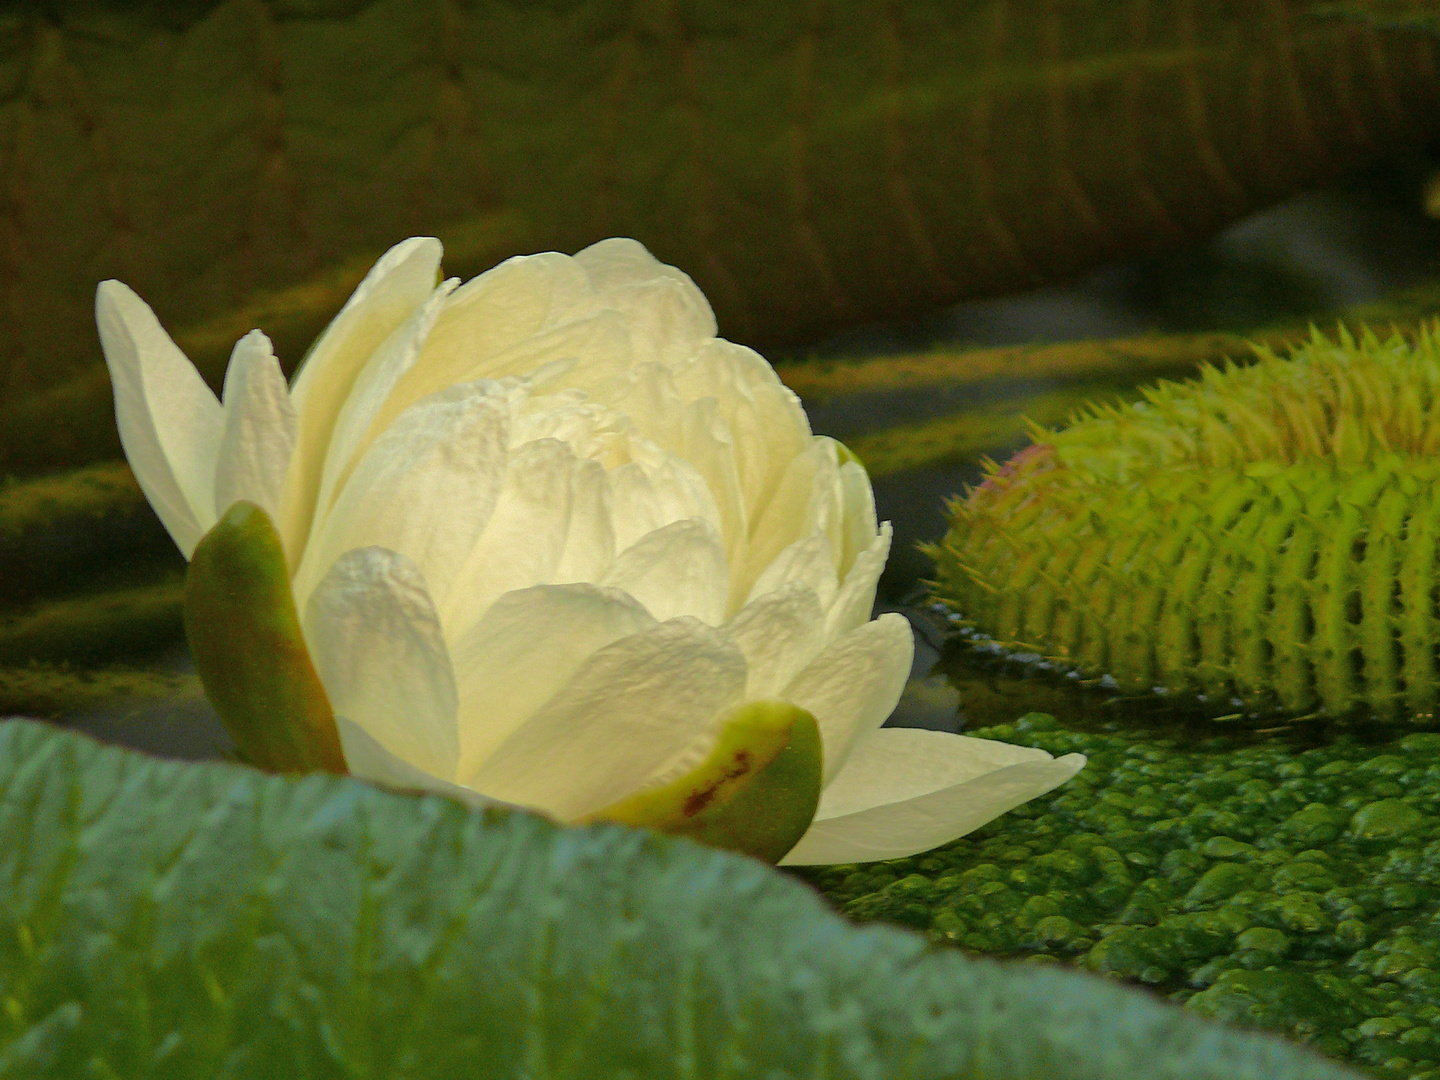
(545, 530)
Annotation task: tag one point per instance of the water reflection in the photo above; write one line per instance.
(962, 681)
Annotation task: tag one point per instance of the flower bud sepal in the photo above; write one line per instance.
(755, 793)
(245, 637)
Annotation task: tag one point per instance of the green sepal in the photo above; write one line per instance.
(245, 637)
(756, 793)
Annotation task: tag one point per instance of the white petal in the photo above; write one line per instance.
(259, 432)
(590, 539)
(630, 710)
(826, 509)
(858, 515)
(355, 426)
(402, 280)
(619, 262)
(765, 418)
(853, 685)
(646, 396)
(654, 490)
(809, 560)
(905, 790)
(676, 570)
(369, 760)
(427, 487)
(803, 502)
(709, 444)
(598, 343)
(168, 418)
(502, 308)
(526, 534)
(779, 633)
(377, 647)
(528, 645)
(514, 300)
(731, 373)
(668, 320)
(856, 597)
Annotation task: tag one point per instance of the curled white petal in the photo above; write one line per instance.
(527, 534)
(169, 420)
(427, 487)
(373, 387)
(503, 677)
(905, 790)
(258, 438)
(629, 711)
(376, 643)
(402, 280)
(853, 685)
(855, 598)
(858, 514)
(779, 633)
(678, 569)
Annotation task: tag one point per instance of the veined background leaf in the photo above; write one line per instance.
(812, 166)
(180, 920)
(1390, 14)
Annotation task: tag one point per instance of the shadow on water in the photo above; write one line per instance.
(963, 681)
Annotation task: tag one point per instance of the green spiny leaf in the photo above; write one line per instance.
(1244, 542)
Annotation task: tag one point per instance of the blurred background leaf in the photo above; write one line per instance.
(813, 166)
(1386, 14)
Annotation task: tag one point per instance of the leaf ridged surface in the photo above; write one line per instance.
(812, 166)
(181, 920)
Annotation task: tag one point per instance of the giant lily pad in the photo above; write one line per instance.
(203, 920)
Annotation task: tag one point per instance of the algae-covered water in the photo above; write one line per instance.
(1283, 876)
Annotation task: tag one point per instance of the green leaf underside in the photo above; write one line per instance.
(211, 920)
(245, 638)
(755, 793)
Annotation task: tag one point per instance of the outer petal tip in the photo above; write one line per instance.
(168, 418)
(907, 790)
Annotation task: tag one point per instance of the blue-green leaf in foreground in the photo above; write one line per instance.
(162, 919)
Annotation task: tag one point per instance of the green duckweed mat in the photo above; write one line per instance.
(1248, 876)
